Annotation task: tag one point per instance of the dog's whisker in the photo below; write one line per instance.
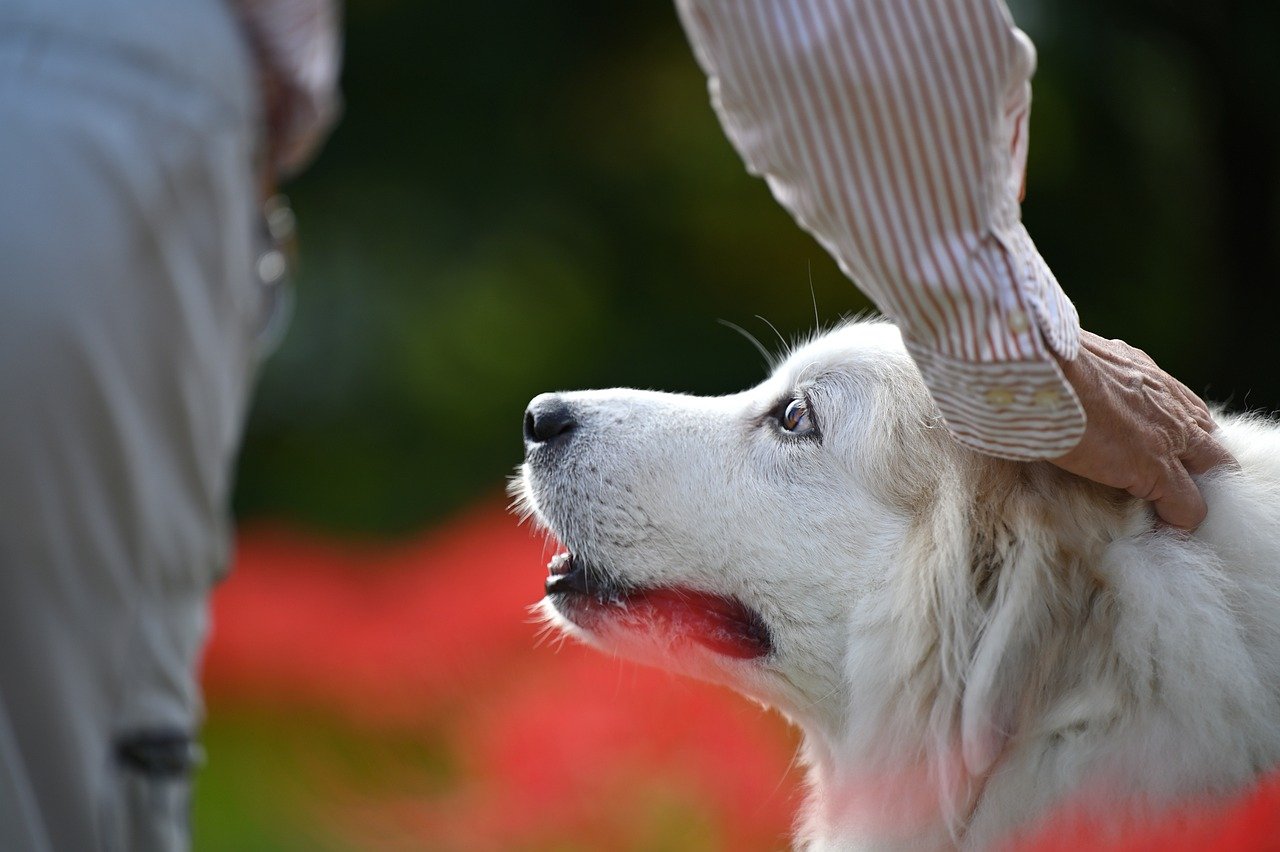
(817, 323)
(769, 360)
(785, 346)
(786, 773)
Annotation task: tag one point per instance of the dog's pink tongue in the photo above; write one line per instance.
(718, 623)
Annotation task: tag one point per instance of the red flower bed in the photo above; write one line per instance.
(546, 747)
(550, 746)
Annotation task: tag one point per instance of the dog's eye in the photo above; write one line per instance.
(796, 418)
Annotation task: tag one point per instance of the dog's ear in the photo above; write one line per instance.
(1001, 668)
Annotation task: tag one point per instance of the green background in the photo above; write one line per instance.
(527, 196)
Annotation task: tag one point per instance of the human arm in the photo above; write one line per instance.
(895, 131)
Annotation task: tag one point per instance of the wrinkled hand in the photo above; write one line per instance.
(1146, 433)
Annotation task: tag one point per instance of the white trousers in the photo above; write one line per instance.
(128, 310)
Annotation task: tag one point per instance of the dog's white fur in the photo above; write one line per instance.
(968, 644)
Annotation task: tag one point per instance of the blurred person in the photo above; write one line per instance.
(138, 139)
(896, 133)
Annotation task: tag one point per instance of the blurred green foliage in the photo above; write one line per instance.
(533, 196)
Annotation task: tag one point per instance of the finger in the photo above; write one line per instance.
(1204, 453)
(1206, 422)
(1146, 373)
(1166, 385)
(1179, 502)
(1166, 411)
(1191, 396)
(1180, 412)
(1194, 402)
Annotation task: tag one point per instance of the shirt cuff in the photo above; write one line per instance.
(1054, 316)
(1020, 410)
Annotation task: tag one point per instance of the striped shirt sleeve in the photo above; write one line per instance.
(895, 131)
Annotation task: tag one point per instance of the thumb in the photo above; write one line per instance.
(1178, 501)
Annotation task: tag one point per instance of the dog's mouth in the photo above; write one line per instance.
(592, 600)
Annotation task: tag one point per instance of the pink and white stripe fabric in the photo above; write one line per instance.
(895, 131)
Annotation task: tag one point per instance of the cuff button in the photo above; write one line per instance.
(1000, 397)
(1047, 398)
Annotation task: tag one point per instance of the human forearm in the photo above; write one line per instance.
(896, 134)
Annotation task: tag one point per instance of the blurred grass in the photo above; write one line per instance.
(251, 796)
(285, 779)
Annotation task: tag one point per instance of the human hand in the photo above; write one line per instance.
(1146, 431)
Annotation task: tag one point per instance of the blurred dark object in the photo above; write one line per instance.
(159, 752)
(297, 47)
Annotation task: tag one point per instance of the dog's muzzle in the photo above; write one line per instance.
(593, 600)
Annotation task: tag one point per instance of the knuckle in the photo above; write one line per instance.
(1146, 486)
(1166, 444)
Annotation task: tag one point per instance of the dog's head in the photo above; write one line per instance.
(822, 544)
(734, 537)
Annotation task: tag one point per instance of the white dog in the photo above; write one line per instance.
(968, 644)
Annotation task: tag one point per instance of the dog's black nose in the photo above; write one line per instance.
(548, 418)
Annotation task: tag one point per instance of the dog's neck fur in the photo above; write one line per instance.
(912, 770)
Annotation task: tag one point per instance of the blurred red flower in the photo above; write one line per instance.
(551, 748)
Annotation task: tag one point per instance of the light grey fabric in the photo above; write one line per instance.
(191, 43)
(128, 306)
